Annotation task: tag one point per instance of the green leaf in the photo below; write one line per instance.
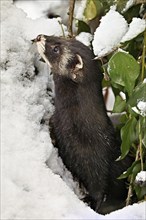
(121, 5)
(90, 10)
(93, 9)
(138, 94)
(107, 4)
(105, 83)
(117, 86)
(136, 170)
(129, 170)
(83, 27)
(123, 118)
(140, 192)
(132, 12)
(128, 135)
(124, 70)
(99, 7)
(131, 111)
(119, 105)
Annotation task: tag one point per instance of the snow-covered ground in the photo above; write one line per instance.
(30, 189)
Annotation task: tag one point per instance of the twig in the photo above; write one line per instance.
(140, 146)
(130, 190)
(143, 56)
(70, 20)
(61, 25)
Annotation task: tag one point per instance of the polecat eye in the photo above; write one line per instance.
(56, 49)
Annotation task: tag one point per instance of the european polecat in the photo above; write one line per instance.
(83, 132)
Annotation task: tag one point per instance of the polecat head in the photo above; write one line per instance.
(59, 54)
(66, 57)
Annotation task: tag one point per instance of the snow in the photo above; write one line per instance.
(108, 35)
(85, 38)
(114, 30)
(30, 190)
(140, 108)
(136, 27)
(141, 176)
(37, 9)
(80, 10)
(129, 4)
(135, 212)
(34, 182)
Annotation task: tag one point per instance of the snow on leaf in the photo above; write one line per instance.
(142, 107)
(128, 5)
(114, 30)
(141, 176)
(85, 38)
(136, 27)
(108, 35)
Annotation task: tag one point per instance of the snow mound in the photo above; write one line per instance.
(30, 190)
(133, 212)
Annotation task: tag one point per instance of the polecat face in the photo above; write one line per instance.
(57, 53)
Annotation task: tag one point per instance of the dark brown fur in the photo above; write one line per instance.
(83, 132)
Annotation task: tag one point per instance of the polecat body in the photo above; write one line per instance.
(83, 132)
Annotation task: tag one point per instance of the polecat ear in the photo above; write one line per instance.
(76, 72)
(79, 65)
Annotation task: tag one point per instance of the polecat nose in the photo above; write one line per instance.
(38, 38)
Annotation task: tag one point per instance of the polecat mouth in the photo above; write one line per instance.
(41, 41)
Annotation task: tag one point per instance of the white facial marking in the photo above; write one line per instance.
(66, 56)
(41, 49)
